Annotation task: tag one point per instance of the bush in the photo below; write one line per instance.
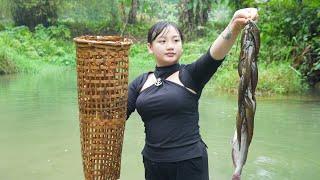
(24, 50)
(6, 65)
(297, 35)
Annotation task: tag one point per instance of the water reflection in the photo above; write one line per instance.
(39, 133)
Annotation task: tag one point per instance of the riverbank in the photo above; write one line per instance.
(52, 48)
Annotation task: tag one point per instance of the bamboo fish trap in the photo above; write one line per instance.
(102, 77)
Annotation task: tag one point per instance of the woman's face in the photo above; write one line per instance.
(167, 47)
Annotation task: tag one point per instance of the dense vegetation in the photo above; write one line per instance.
(38, 33)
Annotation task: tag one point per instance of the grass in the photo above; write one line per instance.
(273, 79)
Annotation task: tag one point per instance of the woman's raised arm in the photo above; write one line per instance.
(222, 45)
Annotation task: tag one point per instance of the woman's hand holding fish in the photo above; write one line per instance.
(241, 18)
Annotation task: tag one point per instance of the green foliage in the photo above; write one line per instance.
(289, 53)
(169, 12)
(290, 31)
(153, 11)
(280, 79)
(6, 64)
(91, 17)
(239, 4)
(149, 13)
(140, 59)
(193, 16)
(275, 78)
(24, 50)
(2, 27)
(219, 16)
(52, 32)
(137, 31)
(296, 26)
(5, 12)
(33, 12)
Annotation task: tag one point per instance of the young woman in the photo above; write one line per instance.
(167, 100)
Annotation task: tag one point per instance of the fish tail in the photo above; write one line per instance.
(236, 177)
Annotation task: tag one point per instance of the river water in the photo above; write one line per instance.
(39, 133)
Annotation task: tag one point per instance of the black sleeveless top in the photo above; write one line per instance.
(170, 111)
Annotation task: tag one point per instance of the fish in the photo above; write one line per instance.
(248, 73)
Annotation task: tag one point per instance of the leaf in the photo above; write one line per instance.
(287, 19)
(189, 6)
(317, 66)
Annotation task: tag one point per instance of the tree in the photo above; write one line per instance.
(193, 16)
(115, 20)
(33, 12)
(5, 13)
(132, 19)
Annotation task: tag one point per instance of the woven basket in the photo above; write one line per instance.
(102, 76)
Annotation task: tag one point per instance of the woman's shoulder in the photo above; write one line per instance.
(140, 80)
(142, 76)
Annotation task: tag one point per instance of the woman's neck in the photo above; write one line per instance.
(165, 71)
(166, 64)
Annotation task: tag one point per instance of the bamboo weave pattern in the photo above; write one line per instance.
(102, 77)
